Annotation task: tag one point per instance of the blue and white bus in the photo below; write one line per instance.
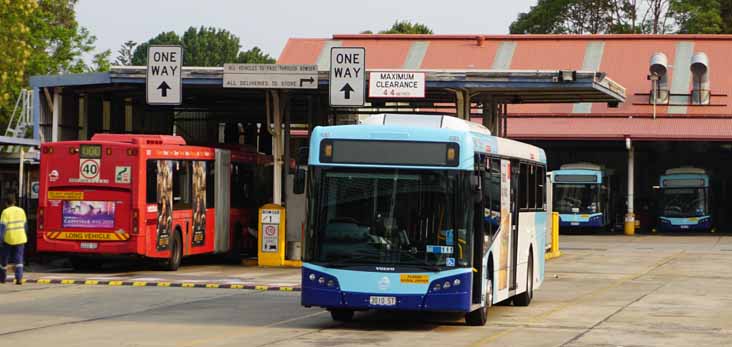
(400, 217)
(684, 199)
(582, 194)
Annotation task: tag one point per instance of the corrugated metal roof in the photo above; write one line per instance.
(623, 57)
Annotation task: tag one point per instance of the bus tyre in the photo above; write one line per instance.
(480, 316)
(341, 315)
(176, 254)
(524, 299)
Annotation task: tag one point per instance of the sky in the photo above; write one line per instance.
(269, 23)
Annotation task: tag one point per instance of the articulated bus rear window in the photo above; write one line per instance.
(389, 152)
(671, 183)
(575, 179)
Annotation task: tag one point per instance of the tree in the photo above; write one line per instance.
(407, 27)
(701, 16)
(124, 53)
(205, 46)
(254, 56)
(595, 17)
(139, 57)
(38, 37)
(100, 62)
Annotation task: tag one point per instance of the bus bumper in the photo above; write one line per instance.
(684, 224)
(453, 299)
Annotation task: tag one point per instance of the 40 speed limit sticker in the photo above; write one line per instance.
(89, 169)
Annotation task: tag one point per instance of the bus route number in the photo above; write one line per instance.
(89, 168)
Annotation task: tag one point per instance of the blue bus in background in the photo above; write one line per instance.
(684, 200)
(582, 195)
(401, 212)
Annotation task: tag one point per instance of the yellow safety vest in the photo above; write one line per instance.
(13, 218)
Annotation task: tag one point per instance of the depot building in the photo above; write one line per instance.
(645, 103)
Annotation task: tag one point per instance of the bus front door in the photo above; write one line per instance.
(513, 239)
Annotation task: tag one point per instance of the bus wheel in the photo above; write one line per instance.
(524, 299)
(341, 315)
(176, 254)
(480, 316)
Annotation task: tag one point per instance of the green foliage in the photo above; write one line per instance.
(205, 46)
(101, 62)
(124, 53)
(139, 57)
(254, 56)
(407, 27)
(38, 37)
(594, 17)
(700, 16)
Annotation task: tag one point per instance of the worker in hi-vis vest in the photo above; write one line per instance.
(13, 226)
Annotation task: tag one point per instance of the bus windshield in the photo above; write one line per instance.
(389, 217)
(576, 198)
(684, 202)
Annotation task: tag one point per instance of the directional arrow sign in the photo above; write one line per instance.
(164, 75)
(347, 76)
(279, 76)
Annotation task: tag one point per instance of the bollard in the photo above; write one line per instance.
(630, 224)
(554, 249)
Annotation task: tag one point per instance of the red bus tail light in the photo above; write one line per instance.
(135, 221)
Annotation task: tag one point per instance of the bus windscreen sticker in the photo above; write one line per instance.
(88, 214)
(199, 203)
(122, 174)
(165, 203)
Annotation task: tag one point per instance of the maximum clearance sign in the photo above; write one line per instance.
(163, 80)
(396, 84)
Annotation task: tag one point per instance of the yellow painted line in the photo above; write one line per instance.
(43, 281)
(163, 284)
(115, 283)
(212, 285)
(286, 289)
(67, 281)
(139, 284)
(188, 285)
(237, 286)
(261, 287)
(91, 282)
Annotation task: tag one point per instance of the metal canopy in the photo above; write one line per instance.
(506, 86)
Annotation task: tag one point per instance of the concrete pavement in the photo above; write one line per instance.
(603, 291)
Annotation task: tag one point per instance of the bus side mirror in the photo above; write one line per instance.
(298, 186)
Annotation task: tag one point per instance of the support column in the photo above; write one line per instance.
(56, 114)
(107, 116)
(128, 115)
(630, 214)
(277, 148)
(82, 118)
(462, 101)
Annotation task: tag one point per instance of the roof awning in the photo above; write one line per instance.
(506, 86)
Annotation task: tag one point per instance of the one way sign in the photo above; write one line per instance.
(347, 76)
(164, 75)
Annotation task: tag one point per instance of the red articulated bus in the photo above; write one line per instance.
(148, 195)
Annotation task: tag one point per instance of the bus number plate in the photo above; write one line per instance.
(382, 300)
(89, 245)
(574, 224)
(684, 227)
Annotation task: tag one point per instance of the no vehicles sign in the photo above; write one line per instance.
(164, 75)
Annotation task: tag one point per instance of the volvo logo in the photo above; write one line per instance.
(384, 283)
(383, 268)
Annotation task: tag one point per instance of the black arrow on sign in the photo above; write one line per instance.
(309, 80)
(164, 89)
(347, 90)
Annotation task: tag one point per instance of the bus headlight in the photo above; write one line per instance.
(456, 282)
(312, 277)
(321, 280)
(446, 285)
(437, 287)
(331, 283)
